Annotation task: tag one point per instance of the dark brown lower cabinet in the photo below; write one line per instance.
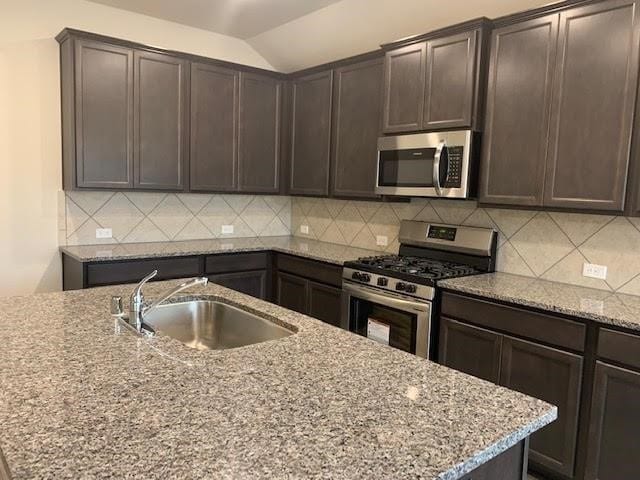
(325, 303)
(292, 292)
(555, 377)
(252, 283)
(509, 465)
(615, 421)
(471, 350)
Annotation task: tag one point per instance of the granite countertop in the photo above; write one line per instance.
(83, 396)
(302, 247)
(588, 303)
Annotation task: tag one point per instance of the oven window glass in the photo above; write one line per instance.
(402, 325)
(406, 168)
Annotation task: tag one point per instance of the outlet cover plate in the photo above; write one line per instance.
(227, 229)
(382, 240)
(104, 233)
(304, 229)
(594, 271)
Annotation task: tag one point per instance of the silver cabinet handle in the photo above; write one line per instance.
(436, 168)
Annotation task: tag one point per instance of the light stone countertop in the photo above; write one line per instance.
(302, 247)
(81, 397)
(598, 305)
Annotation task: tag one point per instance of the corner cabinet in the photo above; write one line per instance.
(560, 106)
(311, 134)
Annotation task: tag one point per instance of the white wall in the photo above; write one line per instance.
(350, 27)
(30, 149)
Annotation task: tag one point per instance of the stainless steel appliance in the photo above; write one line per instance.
(393, 299)
(436, 164)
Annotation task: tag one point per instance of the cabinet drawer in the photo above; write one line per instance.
(318, 271)
(619, 347)
(236, 262)
(534, 325)
(130, 272)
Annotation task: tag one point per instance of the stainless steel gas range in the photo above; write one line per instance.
(393, 299)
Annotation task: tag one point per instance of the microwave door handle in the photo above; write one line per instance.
(436, 168)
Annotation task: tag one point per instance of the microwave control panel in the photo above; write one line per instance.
(454, 173)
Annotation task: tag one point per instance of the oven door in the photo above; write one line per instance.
(395, 320)
(429, 164)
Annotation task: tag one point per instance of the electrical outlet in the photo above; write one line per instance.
(104, 233)
(227, 229)
(594, 271)
(382, 240)
(304, 229)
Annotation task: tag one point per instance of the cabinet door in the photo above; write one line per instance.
(311, 134)
(325, 303)
(160, 112)
(555, 377)
(615, 420)
(449, 86)
(259, 133)
(356, 127)
(214, 125)
(252, 283)
(592, 108)
(471, 350)
(404, 77)
(517, 116)
(292, 292)
(104, 115)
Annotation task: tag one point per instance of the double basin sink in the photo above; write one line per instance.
(212, 325)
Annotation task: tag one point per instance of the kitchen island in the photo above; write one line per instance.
(83, 396)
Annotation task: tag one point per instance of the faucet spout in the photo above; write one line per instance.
(194, 282)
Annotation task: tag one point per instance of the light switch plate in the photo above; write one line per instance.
(226, 229)
(594, 271)
(104, 233)
(304, 229)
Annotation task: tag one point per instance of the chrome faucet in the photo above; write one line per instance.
(138, 308)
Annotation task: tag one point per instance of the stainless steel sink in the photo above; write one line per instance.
(212, 325)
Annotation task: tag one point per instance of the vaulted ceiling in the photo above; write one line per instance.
(295, 34)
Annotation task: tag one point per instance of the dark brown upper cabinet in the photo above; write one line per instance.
(259, 133)
(214, 128)
(311, 134)
(592, 107)
(449, 85)
(404, 78)
(160, 133)
(516, 130)
(356, 127)
(97, 114)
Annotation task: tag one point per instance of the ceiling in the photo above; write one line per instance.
(236, 18)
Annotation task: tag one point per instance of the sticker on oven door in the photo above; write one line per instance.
(378, 331)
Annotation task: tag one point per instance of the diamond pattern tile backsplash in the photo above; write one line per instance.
(154, 217)
(550, 245)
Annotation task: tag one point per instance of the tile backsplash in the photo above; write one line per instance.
(549, 245)
(154, 217)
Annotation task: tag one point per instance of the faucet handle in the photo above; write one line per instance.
(137, 292)
(117, 309)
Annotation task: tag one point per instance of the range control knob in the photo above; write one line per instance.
(365, 277)
(355, 275)
(411, 288)
(401, 286)
(383, 282)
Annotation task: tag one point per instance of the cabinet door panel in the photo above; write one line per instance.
(259, 133)
(356, 127)
(292, 292)
(160, 121)
(555, 377)
(214, 123)
(311, 134)
(252, 283)
(471, 350)
(592, 108)
(404, 78)
(449, 83)
(104, 115)
(517, 116)
(325, 303)
(615, 420)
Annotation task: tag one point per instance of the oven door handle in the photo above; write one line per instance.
(436, 168)
(365, 293)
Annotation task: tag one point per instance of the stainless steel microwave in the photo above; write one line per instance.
(435, 164)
